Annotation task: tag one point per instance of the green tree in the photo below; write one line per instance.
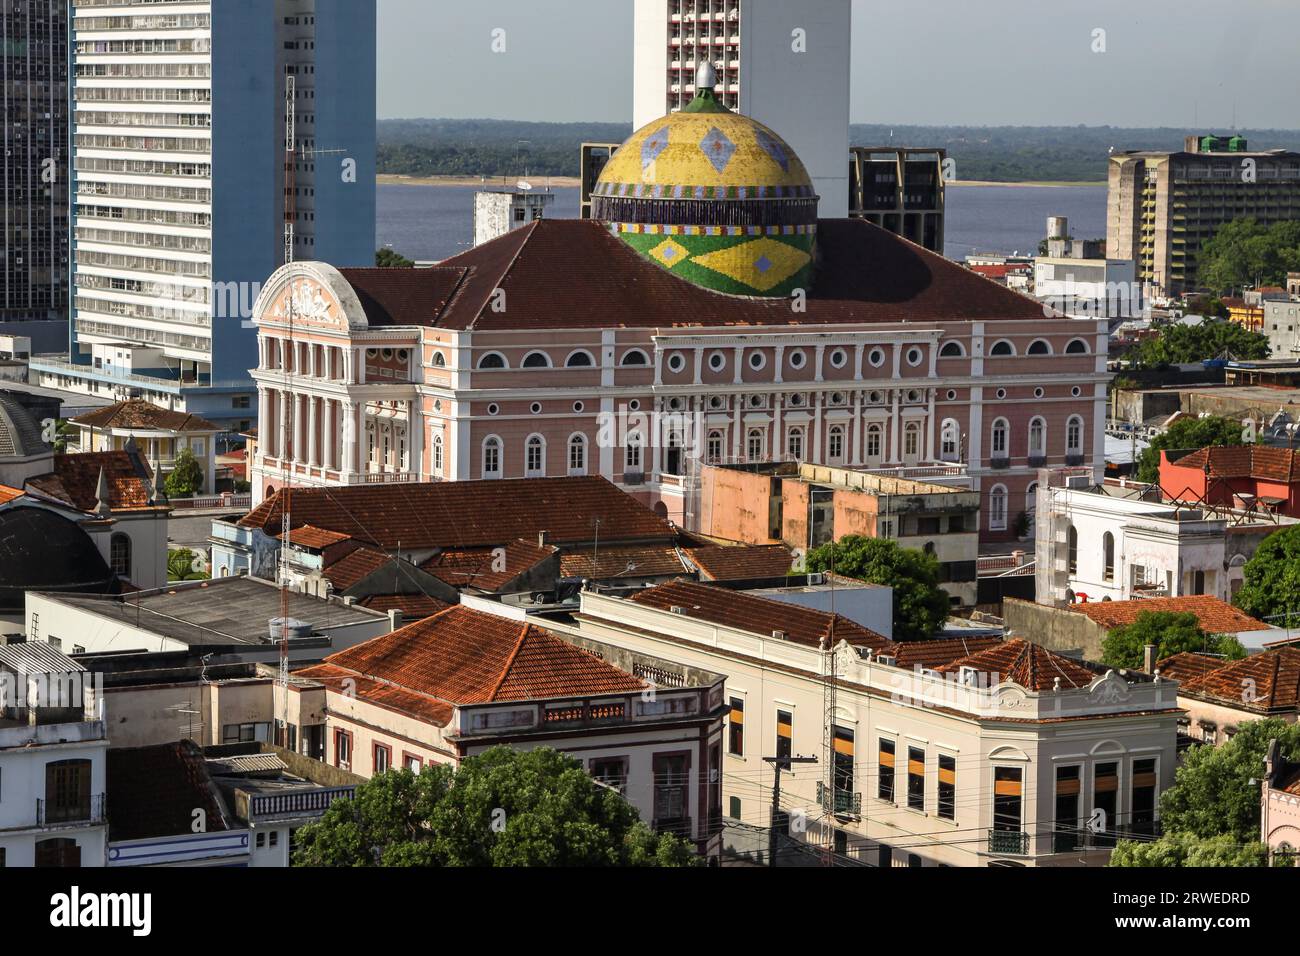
(180, 566)
(1183, 434)
(1245, 253)
(392, 259)
(920, 605)
(1179, 344)
(1171, 632)
(1184, 849)
(501, 808)
(186, 479)
(1272, 579)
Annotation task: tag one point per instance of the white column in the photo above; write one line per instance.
(816, 436)
(286, 424)
(313, 423)
(351, 438)
(895, 447)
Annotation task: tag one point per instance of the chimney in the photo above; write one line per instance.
(778, 635)
(676, 609)
(541, 538)
(1149, 658)
(395, 620)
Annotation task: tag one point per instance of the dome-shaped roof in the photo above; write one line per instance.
(691, 189)
(44, 551)
(20, 435)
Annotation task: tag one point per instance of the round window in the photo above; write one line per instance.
(1002, 393)
(797, 359)
(494, 409)
(717, 361)
(915, 357)
(578, 406)
(634, 405)
(1076, 391)
(536, 408)
(876, 358)
(757, 360)
(952, 394)
(676, 361)
(838, 358)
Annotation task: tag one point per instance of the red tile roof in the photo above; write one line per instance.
(1290, 783)
(745, 563)
(1029, 665)
(464, 656)
(75, 480)
(414, 607)
(1187, 665)
(1260, 462)
(8, 494)
(632, 562)
(139, 414)
(469, 514)
(343, 680)
(1263, 683)
(315, 538)
(354, 567)
(1215, 615)
(572, 273)
(487, 569)
(757, 615)
(936, 653)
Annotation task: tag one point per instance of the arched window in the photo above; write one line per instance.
(835, 444)
(673, 463)
(952, 350)
(120, 555)
(1000, 432)
(1040, 347)
(1072, 550)
(535, 457)
(537, 360)
(1002, 348)
(635, 357)
(1108, 557)
(577, 455)
(998, 508)
(1037, 438)
(912, 443)
(632, 453)
(579, 359)
(437, 455)
(1074, 436)
(1076, 347)
(439, 360)
(794, 443)
(875, 443)
(754, 444)
(715, 446)
(493, 360)
(492, 457)
(1031, 504)
(950, 440)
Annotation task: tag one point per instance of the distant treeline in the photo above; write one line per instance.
(450, 147)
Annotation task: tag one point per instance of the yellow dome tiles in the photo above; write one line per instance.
(762, 264)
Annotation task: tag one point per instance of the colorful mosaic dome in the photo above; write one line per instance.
(714, 197)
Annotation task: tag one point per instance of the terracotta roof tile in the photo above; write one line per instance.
(1264, 682)
(633, 562)
(1260, 462)
(482, 568)
(8, 494)
(351, 569)
(1021, 662)
(1187, 665)
(936, 653)
(464, 656)
(436, 712)
(404, 296)
(469, 514)
(153, 791)
(75, 480)
(757, 615)
(1290, 783)
(744, 563)
(142, 415)
(1215, 615)
(315, 538)
(414, 607)
(574, 273)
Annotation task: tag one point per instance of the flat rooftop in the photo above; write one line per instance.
(228, 611)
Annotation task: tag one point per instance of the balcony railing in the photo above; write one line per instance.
(91, 813)
(297, 803)
(841, 803)
(1009, 842)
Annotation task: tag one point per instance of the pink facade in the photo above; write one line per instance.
(357, 384)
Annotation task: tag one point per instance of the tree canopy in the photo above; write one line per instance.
(186, 479)
(501, 808)
(920, 605)
(1171, 632)
(1187, 433)
(1246, 253)
(1211, 815)
(1179, 344)
(392, 259)
(1272, 578)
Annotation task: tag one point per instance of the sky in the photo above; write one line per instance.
(1178, 63)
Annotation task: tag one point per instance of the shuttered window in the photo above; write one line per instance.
(1068, 791)
(885, 789)
(784, 733)
(736, 728)
(947, 787)
(1143, 797)
(1007, 798)
(915, 778)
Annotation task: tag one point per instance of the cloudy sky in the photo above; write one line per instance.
(979, 62)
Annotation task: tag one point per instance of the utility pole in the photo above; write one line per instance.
(779, 764)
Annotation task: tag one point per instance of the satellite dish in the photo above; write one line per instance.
(523, 185)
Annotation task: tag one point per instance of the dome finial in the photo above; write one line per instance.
(706, 77)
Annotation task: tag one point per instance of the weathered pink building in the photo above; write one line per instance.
(558, 350)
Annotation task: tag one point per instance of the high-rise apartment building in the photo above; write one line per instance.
(184, 189)
(1164, 206)
(900, 189)
(33, 161)
(783, 64)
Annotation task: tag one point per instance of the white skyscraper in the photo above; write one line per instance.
(183, 192)
(784, 64)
